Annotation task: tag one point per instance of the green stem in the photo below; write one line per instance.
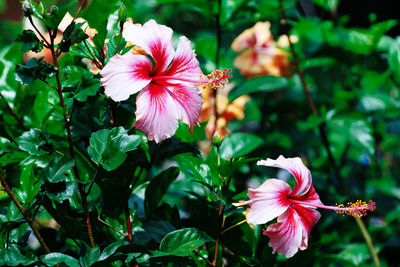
(368, 240)
(121, 28)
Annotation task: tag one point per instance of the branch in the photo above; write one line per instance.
(28, 217)
(321, 127)
(70, 143)
(46, 43)
(198, 254)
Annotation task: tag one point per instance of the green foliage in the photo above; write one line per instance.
(33, 142)
(73, 34)
(157, 188)
(81, 82)
(239, 144)
(57, 258)
(30, 41)
(109, 147)
(34, 69)
(182, 242)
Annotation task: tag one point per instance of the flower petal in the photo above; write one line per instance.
(156, 113)
(311, 197)
(296, 167)
(257, 36)
(185, 63)
(188, 103)
(291, 231)
(125, 75)
(268, 201)
(309, 217)
(155, 39)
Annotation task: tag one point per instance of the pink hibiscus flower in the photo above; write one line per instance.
(167, 86)
(295, 208)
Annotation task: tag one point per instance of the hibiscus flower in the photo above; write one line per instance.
(260, 54)
(295, 208)
(166, 81)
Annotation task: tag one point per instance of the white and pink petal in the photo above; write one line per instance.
(188, 101)
(155, 39)
(125, 75)
(185, 63)
(291, 231)
(156, 113)
(296, 167)
(268, 201)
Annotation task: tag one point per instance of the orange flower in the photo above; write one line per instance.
(226, 111)
(260, 54)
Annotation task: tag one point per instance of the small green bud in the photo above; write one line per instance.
(27, 9)
(217, 140)
(53, 10)
(122, 15)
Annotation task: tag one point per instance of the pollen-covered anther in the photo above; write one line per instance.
(216, 79)
(356, 209)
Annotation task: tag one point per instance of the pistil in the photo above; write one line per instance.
(356, 209)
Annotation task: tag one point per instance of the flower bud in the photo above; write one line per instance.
(122, 15)
(27, 9)
(53, 10)
(217, 140)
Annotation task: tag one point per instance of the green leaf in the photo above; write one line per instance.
(228, 167)
(30, 41)
(353, 128)
(29, 185)
(194, 167)
(394, 57)
(4, 145)
(96, 7)
(182, 242)
(239, 144)
(57, 169)
(60, 191)
(111, 249)
(32, 142)
(356, 254)
(12, 256)
(157, 188)
(57, 258)
(109, 147)
(92, 255)
(112, 44)
(100, 36)
(81, 81)
(73, 34)
(34, 69)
